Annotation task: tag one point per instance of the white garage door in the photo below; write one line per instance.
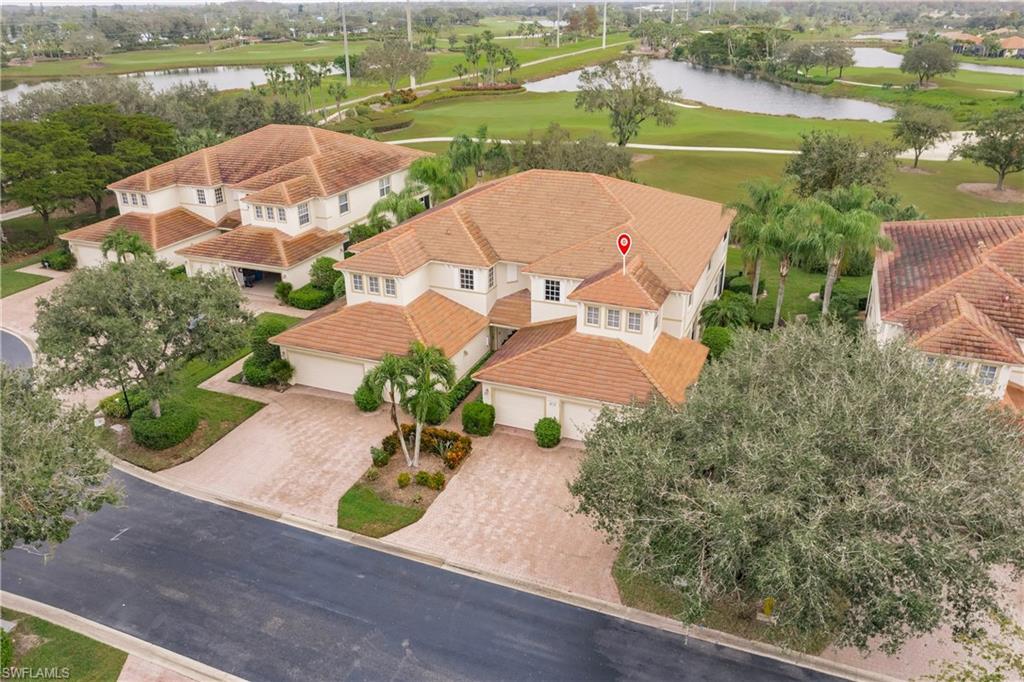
(333, 374)
(520, 410)
(88, 256)
(577, 418)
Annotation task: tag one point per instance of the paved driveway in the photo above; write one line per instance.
(507, 511)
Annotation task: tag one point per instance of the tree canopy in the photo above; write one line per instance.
(630, 95)
(928, 60)
(919, 127)
(997, 143)
(828, 160)
(867, 493)
(391, 61)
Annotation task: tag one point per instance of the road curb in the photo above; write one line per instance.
(133, 646)
(514, 582)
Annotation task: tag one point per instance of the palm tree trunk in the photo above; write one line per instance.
(398, 430)
(416, 450)
(830, 280)
(754, 287)
(783, 273)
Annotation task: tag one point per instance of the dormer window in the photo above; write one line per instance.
(303, 214)
(201, 196)
(384, 186)
(552, 290)
(218, 195)
(374, 284)
(613, 318)
(281, 215)
(490, 278)
(466, 279)
(124, 198)
(987, 374)
(142, 198)
(270, 213)
(135, 199)
(634, 322)
(389, 287)
(357, 282)
(343, 203)
(593, 315)
(259, 212)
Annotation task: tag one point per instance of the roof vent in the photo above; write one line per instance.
(981, 245)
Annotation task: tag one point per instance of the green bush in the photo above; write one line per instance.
(389, 444)
(437, 414)
(339, 288)
(717, 339)
(853, 291)
(62, 260)
(281, 371)
(404, 479)
(283, 291)
(6, 650)
(263, 351)
(310, 298)
(255, 372)
(372, 474)
(379, 457)
(113, 406)
(176, 423)
(322, 274)
(361, 231)
(478, 419)
(450, 446)
(548, 432)
(437, 480)
(178, 272)
(742, 285)
(423, 478)
(366, 399)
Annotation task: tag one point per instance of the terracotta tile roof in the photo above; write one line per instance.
(275, 153)
(555, 357)
(638, 287)
(264, 246)
(512, 310)
(1012, 43)
(564, 224)
(1014, 397)
(956, 286)
(157, 229)
(231, 220)
(960, 36)
(369, 330)
(398, 256)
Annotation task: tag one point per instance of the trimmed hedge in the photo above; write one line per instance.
(113, 406)
(310, 298)
(281, 371)
(283, 291)
(177, 422)
(450, 446)
(379, 457)
(255, 372)
(322, 274)
(373, 121)
(62, 261)
(548, 432)
(717, 339)
(263, 351)
(366, 399)
(478, 419)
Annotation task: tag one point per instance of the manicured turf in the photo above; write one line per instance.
(361, 511)
(12, 281)
(85, 659)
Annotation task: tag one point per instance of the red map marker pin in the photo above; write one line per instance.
(624, 241)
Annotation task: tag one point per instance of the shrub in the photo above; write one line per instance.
(281, 371)
(339, 288)
(283, 291)
(361, 231)
(460, 390)
(114, 406)
(310, 298)
(548, 432)
(176, 423)
(452, 447)
(178, 272)
(380, 457)
(255, 372)
(62, 260)
(390, 444)
(478, 419)
(717, 339)
(322, 274)
(423, 478)
(404, 479)
(367, 400)
(6, 650)
(849, 290)
(742, 285)
(263, 351)
(437, 481)
(372, 474)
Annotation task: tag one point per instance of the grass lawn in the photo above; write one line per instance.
(12, 281)
(40, 644)
(361, 511)
(219, 413)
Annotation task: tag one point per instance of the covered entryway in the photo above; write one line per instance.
(516, 409)
(332, 373)
(577, 418)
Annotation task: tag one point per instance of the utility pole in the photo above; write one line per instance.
(558, 24)
(711, 6)
(344, 41)
(408, 31)
(687, 11)
(604, 29)
(672, 20)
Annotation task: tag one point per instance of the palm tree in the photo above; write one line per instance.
(839, 223)
(466, 152)
(432, 376)
(787, 239)
(401, 205)
(767, 204)
(391, 376)
(437, 174)
(731, 310)
(122, 243)
(338, 91)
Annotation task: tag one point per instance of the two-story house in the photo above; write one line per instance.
(955, 289)
(261, 205)
(528, 266)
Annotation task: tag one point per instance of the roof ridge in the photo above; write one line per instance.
(530, 351)
(949, 282)
(473, 231)
(934, 331)
(416, 330)
(279, 243)
(601, 182)
(983, 324)
(632, 353)
(1000, 271)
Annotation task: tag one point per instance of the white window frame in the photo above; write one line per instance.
(135, 199)
(384, 186)
(596, 321)
(467, 276)
(639, 317)
(259, 211)
(218, 195)
(390, 287)
(490, 278)
(962, 366)
(201, 197)
(374, 284)
(608, 313)
(357, 282)
(303, 213)
(553, 288)
(144, 200)
(269, 210)
(282, 217)
(343, 206)
(512, 272)
(124, 198)
(983, 377)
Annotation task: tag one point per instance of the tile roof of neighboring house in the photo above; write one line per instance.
(559, 223)
(512, 310)
(961, 37)
(1012, 43)
(637, 287)
(276, 153)
(1014, 397)
(956, 286)
(157, 229)
(264, 246)
(554, 357)
(369, 330)
(231, 220)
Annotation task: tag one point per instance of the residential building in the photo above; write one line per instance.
(1012, 46)
(262, 205)
(955, 289)
(527, 266)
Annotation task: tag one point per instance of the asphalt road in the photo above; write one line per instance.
(266, 601)
(13, 351)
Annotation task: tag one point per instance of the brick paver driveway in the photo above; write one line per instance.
(506, 511)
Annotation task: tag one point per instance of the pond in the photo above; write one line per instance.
(878, 57)
(219, 78)
(728, 90)
(898, 34)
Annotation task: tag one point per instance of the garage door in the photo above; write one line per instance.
(577, 418)
(513, 408)
(333, 374)
(88, 256)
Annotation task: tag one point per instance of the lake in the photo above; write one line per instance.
(878, 57)
(899, 34)
(728, 90)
